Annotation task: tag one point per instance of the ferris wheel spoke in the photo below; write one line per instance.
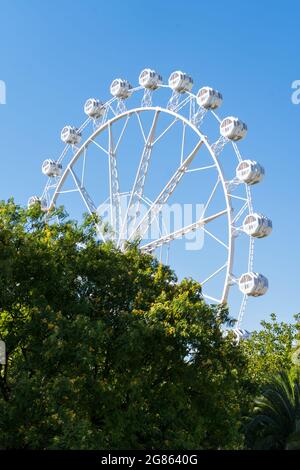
(137, 191)
(211, 195)
(213, 274)
(149, 204)
(208, 297)
(202, 168)
(146, 201)
(86, 199)
(238, 197)
(182, 142)
(163, 197)
(216, 238)
(141, 126)
(165, 131)
(157, 221)
(122, 133)
(99, 146)
(67, 191)
(83, 166)
(240, 213)
(181, 232)
(113, 184)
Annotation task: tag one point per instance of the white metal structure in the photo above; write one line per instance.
(233, 129)
(249, 172)
(51, 168)
(70, 135)
(94, 108)
(241, 334)
(209, 98)
(150, 79)
(172, 161)
(180, 82)
(257, 225)
(253, 284)
(120, 88)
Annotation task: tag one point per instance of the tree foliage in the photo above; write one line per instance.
(276, 418)
(107, 350)
(269, 350)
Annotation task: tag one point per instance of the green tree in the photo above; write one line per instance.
(106, 350)
(276, 417)
(269, 351)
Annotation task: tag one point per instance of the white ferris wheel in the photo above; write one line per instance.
(169, 175)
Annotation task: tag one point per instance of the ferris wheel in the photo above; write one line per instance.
(146, 154)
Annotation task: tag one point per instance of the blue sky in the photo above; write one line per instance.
(54, 55)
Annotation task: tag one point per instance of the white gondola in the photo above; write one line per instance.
(150, 79)
(180, 82)
(250, 172)
(233, 128)
(257, 225)
(253, 284)
(94, 108)
(51, 168)
(120, 88)
(37, 200)
(70, 135)
(209, 98)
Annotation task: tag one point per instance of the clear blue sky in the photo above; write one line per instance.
(55, 54)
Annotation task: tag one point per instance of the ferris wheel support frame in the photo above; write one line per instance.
(197, 114)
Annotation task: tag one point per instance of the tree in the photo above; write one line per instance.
(269, 351)
(105, 349)
(276, 418)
